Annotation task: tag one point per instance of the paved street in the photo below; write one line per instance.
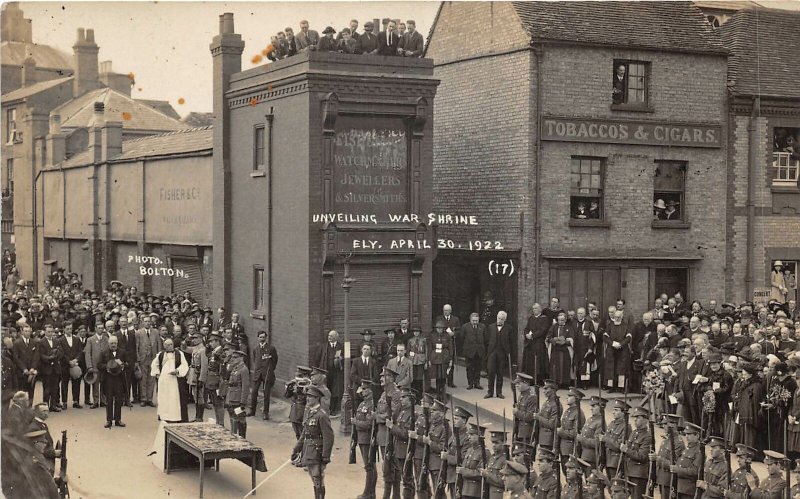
(114, 463)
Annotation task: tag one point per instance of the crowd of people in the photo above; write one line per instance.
(116, 346)
(722, 377)
(397, 39)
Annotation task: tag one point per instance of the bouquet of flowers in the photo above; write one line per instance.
(653, 383)
(709, 402)
(778, 395)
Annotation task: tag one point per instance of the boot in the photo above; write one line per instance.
(242, 430)
(199, 411)
(322, 492)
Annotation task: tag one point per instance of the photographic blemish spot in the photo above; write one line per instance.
(181, 101)
(126, 116)
(253, 101)
(256, 59)
(131, 76)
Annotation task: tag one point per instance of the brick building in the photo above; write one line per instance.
(39, 91)
(570, 170)
(764, 161)
(134, 210)
(298, 141)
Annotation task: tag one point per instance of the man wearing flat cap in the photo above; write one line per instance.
(368, 41)
(313, 449)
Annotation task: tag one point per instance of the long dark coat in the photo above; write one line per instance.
(560, 357)
(535, 350)
(327, 360)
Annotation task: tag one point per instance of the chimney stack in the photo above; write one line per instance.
(28, 68)
(56, 142)
(95, 131)
(86, 70)
(118, 82)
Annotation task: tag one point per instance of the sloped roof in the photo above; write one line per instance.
(660, 25)
(14, 54)
(161, 105)
(40, 86)
(763, 44)
(198, 119)
(118, 107)
(180, 142)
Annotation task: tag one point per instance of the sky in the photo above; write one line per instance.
(166, 44)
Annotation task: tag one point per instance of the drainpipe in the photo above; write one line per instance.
(270, 231)
(752, 132)
(538, 51)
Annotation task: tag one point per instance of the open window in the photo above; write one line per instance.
(669, 191)
(630, 83)
(785, 156)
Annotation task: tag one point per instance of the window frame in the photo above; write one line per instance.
(11, 125)
(683, 220)
(259, 129)
(259, 289)
(10, 175)
(643, 106)
(574, 192)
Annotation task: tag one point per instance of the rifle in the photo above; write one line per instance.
(534, 442)
(410, 446)
(373, 454)
(484, 485)
(441, 480)
(515, 429)
(651, 475)
(505, 446)
(622, 457)
(388, 458)
(353, 430)
(673, 477)
(788, 462)
(701, 472)
(457, 438)
(61, 479)
(422, 480)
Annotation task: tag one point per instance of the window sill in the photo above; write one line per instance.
(633, 108)
(573, 222)
(787, 188)
(670, 224)
(258, 173)
(257, 314)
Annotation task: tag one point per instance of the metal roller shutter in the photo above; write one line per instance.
(378, 299)
(192, 283)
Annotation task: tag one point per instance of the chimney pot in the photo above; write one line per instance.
(227, 23)
(55, 123)
(81, 36)
(90, 36)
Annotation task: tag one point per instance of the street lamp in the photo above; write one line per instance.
(347, 283)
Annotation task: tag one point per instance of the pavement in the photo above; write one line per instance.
(114, 463)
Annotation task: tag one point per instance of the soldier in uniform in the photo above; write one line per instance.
(774, 486)
(391, 391)
(795, 490)
(514, 475)
(715, 476)
(621, 488)
(450, 456)
(527, 407)
(417, 348)
(471, 462)
(313, 448)
(319, 378)
(614, 435)
(596, 486)
(691, 459)
(547, 486)
(213, 379)
(363, 425)
(295, 390)
(522, 453)
(637, 451)
(238, 389)
(664, 457)
(574, 479)
(437, 438)
(740, 488)
(440, 358)
(199, 366)
(495, 463)
(571, 422)
(549, 415)
(398, 429)
(417, 434)
(587, 437)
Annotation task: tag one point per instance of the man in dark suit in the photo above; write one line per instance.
(39, 435)
(72, 352)
(411, 44)
(535, 362)
(363, 368)
(112, 365)
(472, 337)
(353, 27)
(368, 41)
(265, 359)
(402, 334)
(501, 343)
(388, 40)
(331, 359)
(452, 325)
(618, 85)
(127, 344)
(50, 368)
(26, 356)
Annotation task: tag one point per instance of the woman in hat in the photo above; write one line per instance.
(778, 282)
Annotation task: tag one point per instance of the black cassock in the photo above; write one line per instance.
(561, 355)
(328, 361)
